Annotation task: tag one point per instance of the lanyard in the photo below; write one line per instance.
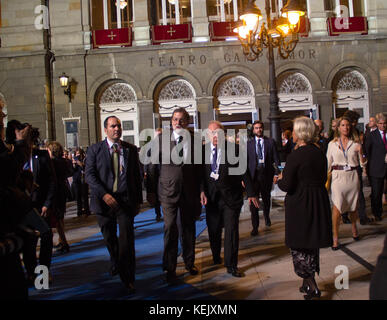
(345, 154)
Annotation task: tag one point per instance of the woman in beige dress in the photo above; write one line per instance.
(344, 156)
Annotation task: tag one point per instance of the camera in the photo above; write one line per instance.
(15, 124)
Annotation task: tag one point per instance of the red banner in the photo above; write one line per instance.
(219, 31)
(352, 25)
(304, 27)
(112, 37)
(171, 33)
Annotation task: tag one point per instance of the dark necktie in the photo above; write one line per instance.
(214, 159)
(116, 166)
(179, 140)
(260, 154)
(384, 139)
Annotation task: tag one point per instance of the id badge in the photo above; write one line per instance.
(214, 175)
(261, 161)
(347, 168)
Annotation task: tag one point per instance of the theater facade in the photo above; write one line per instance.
(139, 60)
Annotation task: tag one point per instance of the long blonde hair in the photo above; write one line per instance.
(351, 135)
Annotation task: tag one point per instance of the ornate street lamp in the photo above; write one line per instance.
(66, 85)
(281, 33)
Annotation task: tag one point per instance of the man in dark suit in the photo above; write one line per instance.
(113, 174)
(179, 190)
(376, 151)
(222, 194)
(263, 162)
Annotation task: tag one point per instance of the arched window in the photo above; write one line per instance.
(119, 99)
(234, 102)
(177, 93)
(295, 96)
(350, 92)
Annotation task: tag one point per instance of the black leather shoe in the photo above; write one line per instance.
(254, 232)
(268, 222)
(171, 277)
(357, 238)
(336, 248)
(235, 272)
(113, 271)
(312, 294)
(192, 270)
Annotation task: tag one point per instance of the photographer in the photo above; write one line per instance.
(42, 195)
(14, 206)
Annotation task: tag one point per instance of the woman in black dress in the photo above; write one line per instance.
(308, 221)
(63, 170)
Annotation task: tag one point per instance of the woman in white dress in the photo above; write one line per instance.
(344, 156)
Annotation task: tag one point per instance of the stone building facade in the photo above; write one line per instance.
(142, 83)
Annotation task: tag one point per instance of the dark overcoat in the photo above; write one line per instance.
(308, 220)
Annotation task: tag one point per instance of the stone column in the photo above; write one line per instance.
(141, 23)
(318, 19)
(145, 114)
(324, 99)
(199, 21)
(205, 111)
(376, 12)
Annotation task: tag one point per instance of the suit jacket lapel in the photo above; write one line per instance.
(106, 154)
(126, 158)
(265, 147)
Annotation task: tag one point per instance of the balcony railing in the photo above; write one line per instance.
(112, 37)
(171, 33)
(352, 25)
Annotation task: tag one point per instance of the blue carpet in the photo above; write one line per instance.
(83, 273)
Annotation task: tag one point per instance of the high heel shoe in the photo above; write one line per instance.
(357, 238)
(337, 247)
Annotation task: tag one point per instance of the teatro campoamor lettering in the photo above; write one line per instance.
(228, 57)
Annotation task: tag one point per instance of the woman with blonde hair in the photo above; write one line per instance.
(308, 221)
(344, 155)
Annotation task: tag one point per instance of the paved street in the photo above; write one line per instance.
(265, 260)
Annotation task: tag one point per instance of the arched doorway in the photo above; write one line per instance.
(175, 93)
(119, 99)
(350, 92)
(295, 98)
(234, 102)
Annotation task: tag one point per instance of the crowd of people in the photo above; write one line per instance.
(322, 178)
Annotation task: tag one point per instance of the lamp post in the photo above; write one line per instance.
(66, 85)
(281, 33)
